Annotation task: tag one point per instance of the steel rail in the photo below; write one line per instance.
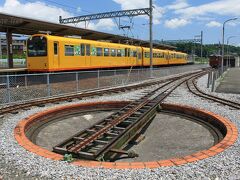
(93, 137)
(82, 143)
(40, 102)
(192, 86)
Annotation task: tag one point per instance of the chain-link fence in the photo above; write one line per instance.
(214, 77)
(15, 88)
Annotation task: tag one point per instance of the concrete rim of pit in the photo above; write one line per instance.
(231, 135)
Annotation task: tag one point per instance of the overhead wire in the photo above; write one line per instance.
(83, 10)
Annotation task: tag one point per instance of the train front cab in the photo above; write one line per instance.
(37, 53)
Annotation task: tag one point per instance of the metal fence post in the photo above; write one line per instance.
(48, 86)
(211, 76)
(208, 81)
(77, 85)
(8, 90)
(115, 76)
(25, 79)
(98, 80)
(213, 81)
(138, 75)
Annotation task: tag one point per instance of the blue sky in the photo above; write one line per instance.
(173, 19)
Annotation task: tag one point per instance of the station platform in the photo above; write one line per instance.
(12, 70)
(230, 82)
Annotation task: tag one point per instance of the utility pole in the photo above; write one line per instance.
(150, 35)
(201, 44)
(0, 45)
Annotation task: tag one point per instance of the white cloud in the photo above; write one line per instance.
(132, 4)
(102, 24)
(178, 4)
(220, 7)
(42, 11)
(175, 23)
(136, 4)
(36, 10)
(213, 24)
(205, 12)
(157, 14)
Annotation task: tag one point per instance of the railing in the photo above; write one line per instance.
(17, 63)
(17, 88)
(214, 77)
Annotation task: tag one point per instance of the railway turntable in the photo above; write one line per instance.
(108, 140)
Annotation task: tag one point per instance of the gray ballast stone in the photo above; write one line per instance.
(17, 163)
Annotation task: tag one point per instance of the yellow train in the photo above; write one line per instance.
(47, 53)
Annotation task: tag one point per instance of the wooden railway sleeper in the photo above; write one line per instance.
(130, 154)
(135, 109)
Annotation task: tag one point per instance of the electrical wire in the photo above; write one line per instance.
(76, 9)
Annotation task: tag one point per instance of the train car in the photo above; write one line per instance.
(52, 53)
(177, 58)
(215, 61)
(160, 57)
(46, 53)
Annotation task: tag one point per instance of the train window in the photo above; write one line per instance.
(162, 55)
(37, 46)
(106, 51)
(69, 50)
(118, 52)
(122, 52)
(99, 51)
(126, 52)
(113, 52)
(55, 48)
(87, 49)
(93, 51)
(82, 49)
(134, 53)
(146, 54)
(131, 53)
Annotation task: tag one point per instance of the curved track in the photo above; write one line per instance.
(41, 102)
(192, 86)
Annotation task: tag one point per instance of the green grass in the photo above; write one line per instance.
(199, 60)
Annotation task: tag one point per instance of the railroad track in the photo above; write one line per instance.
(107, 138)
(14, 108)
(192, 86)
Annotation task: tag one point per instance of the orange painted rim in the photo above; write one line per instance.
(229, 139)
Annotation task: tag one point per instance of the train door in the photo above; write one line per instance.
(88, 55)
(126, 56)
(139, 57)
(129, 56)
(56, 60)
(167, 56)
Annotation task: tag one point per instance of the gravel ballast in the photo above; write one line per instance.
(17, 163)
